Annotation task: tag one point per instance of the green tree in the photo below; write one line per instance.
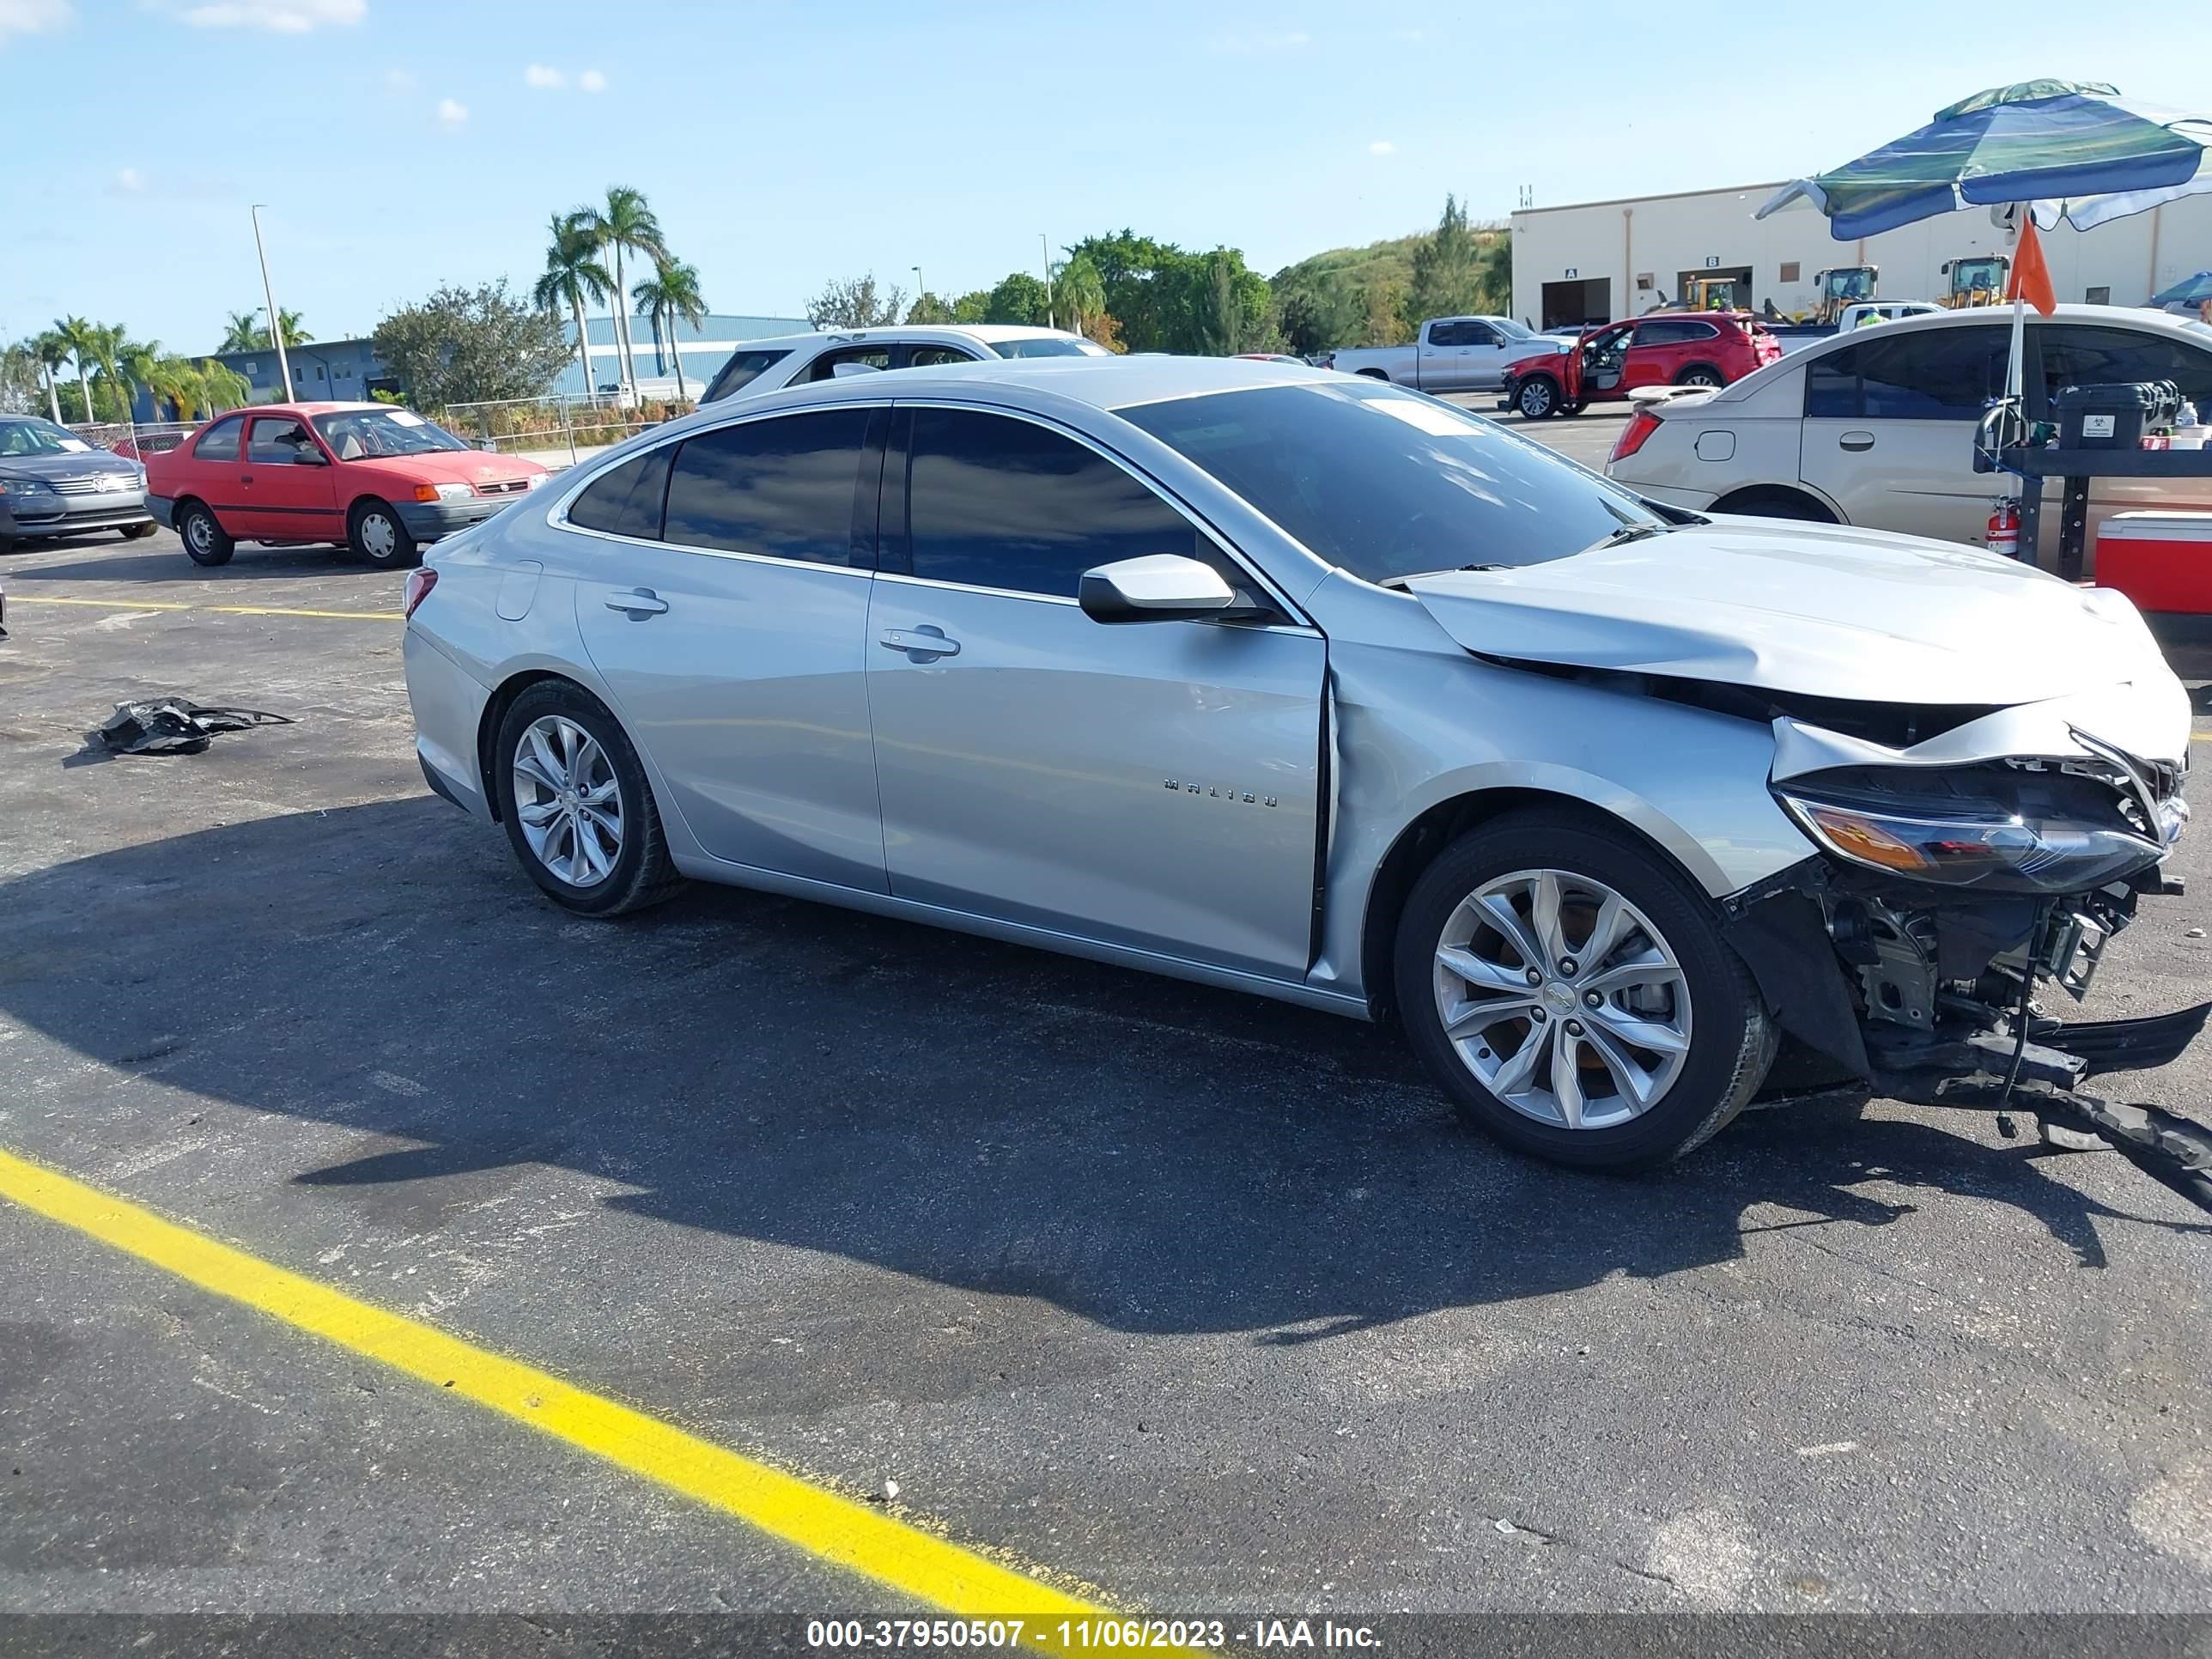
(471, 345)
(1080, 293)
(1444, 268)
(855, 303)
(627, 226)
(217, 387)
(51, 351)
(1384, 321)
(573, 276)
(671, 294)
(972, 307)
(244, 330)
(76, 334)
(21, 377)
(1493, 273)
(1018, 297)
(927, 308)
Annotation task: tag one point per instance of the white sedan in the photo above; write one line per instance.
(1876, 428)
(760, 366)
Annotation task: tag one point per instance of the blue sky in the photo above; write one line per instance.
(398, 143)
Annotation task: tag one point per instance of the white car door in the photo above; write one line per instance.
(1150, 785)
(1888, 433)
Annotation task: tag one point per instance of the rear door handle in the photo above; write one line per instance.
(923, 641)
(638, 603)
(1855, 441)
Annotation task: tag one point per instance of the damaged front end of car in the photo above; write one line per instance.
(1958, 879)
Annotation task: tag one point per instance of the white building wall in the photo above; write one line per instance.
(1665, 235)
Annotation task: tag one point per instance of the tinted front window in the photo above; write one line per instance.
(1387, 483)
(277, 443)
(782, 487)
(742, 367)
(1454, 334)
(2108, 356)
(627, 500)
(219, 441)
(366, 433)
(994, 502)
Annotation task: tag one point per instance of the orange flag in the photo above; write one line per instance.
(2031, 277)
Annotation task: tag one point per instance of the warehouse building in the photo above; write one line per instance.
(1595, 262)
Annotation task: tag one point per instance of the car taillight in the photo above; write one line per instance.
(420, 581)
(1641, 425)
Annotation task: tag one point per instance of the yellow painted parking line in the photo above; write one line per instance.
(220, 610)
(834, 1528)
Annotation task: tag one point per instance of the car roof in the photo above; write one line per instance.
(988, 333)
(302, 408)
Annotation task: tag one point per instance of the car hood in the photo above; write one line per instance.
(470, 466)
(1820, 610)
(89, 463)
(1532, 352)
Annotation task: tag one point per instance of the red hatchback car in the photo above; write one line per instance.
(377, 479)
(1673, 348)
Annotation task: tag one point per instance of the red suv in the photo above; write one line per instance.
(377, 479)
(1666, 347)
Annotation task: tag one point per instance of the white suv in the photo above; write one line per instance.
(760, 366)
(1875, 427)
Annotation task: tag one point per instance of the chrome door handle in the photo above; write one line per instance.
(638, 603)
(1855, 441)
(924, 641)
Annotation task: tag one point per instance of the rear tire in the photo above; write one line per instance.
(1537, 398)
(376, 536)
(1701, 374)
(1660, 974)
(206, 542)
(592, 839)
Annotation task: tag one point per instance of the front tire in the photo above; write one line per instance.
(376, 536)
(137, 532)
(1538, 398)
(578, 810)
(1571, 994)
(206, 543)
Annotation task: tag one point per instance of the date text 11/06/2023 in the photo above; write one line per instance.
(1078, 1635)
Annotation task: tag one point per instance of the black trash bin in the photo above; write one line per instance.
(2115, 416)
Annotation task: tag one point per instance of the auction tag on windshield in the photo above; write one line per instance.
(405, 417)
(1438, 420)
(2098, 426)
(75, 446)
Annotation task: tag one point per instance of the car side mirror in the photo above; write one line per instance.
(1157, 588)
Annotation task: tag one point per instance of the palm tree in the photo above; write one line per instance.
(137, 368)
(106, 344)
(627, 225)
(244, 330)
(217, 387)
(75, 335)
(573, 274)
(51, 351)
(172, 379)
(669, 295)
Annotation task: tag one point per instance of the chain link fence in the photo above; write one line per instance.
(135, 440)
(558, 430)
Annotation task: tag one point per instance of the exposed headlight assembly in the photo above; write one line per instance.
(1996, 829)
(24, 487)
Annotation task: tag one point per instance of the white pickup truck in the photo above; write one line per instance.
(1451, 354)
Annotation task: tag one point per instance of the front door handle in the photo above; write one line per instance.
(923, 641)
(638, 603)
(1857, 442)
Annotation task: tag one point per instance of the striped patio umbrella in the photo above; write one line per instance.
(2189, 291)
(2077, 150)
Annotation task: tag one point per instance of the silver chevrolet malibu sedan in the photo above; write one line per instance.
(1324, 690)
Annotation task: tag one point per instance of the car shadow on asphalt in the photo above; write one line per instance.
(252, 564)
(1153, 1157)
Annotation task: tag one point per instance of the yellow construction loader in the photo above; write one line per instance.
(1975, 280)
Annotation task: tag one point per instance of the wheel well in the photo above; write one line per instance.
(361, 500)
(1688, 369)
(177, 507)
(1543, 374)
(1371, 374)
(1416, 848)
(1752, 497)
(495, 711)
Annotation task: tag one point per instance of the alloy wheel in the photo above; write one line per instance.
(568, 801)
(379, 539)
(1562, 998)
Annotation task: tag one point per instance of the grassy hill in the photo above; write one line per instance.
(1390, 261)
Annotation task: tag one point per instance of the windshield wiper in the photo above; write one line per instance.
(1627, 532)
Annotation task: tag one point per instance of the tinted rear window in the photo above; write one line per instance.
(1387, 483)
(743, 367)
(219, 441)
(782, 487)
(626, 501)
(1927, 374)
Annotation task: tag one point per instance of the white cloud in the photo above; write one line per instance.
(402, 80)
(1260, 41)
(130, 180)
(592, 81)
(1382, 146)
(31, 16)
(544, 78)
(452, 112)
(277, 17)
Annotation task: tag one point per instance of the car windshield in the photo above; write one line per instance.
(1511, 330)
(1045, 345)
(37, 437)
(360, 434)
(1386, 483)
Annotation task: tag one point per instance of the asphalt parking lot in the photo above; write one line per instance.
(1163, 1297)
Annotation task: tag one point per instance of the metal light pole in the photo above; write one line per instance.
(276, 317)
(918, 289)
(1045, 243)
